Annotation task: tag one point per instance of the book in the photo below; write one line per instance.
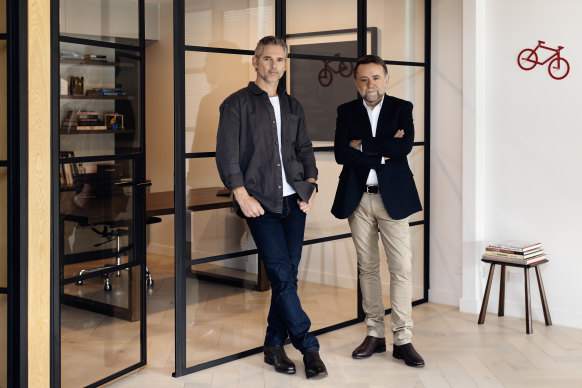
(91, 127)
(76, 85)
(531, 260)
(515, 255)
(514, 246)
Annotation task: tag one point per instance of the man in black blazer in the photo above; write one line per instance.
(376, 191)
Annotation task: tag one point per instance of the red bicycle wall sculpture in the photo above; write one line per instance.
(558, 67)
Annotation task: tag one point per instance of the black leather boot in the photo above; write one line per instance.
(314, 367)
(276, 356)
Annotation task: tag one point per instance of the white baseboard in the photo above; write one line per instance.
(443, 297)
(160, 249)
(558, 316)
(469, 305)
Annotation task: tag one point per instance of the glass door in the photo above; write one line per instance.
(101, 180)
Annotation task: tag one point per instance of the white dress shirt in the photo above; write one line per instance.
(373, 115)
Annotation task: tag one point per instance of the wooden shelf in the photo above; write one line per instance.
(95, 97)
(91, 131)
(83, 62)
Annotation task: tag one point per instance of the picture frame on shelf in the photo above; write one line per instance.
(76, 87)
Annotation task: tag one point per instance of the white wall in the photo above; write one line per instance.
(528, 127)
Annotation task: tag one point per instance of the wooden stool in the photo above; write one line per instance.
(501, 311)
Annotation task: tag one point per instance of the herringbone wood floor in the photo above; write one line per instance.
(457, 351)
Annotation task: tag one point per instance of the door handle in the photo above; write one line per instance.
(145, 183)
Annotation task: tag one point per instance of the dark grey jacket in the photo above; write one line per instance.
(247, 150)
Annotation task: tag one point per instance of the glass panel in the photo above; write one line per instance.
(222, 319)
(407, 82)
(416, 163)
(234, 24)
(106, 20)
(320, 221)
(216, 230)
(3, 102)
(3, 227)
(210, 78)
(401, 26)
(99, 104)
(96, 215)
(305, 17)
(417, 246)
(3, 340)
(321, 86)
(341, 44)
(93, 345)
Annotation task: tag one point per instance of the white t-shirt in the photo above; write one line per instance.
(287, 189)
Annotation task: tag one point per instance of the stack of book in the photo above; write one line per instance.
(106, 92)
(95, 57)
(512, 251)
(83, 121)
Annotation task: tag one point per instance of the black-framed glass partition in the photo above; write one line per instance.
(99, 180)
(3, 198)
(222, 297)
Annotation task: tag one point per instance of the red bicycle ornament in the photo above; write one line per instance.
(558, 66)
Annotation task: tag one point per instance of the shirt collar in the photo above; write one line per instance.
(377, 106)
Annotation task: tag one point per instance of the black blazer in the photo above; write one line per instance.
(395, 179)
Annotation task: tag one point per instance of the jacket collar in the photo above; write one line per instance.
(256, 90)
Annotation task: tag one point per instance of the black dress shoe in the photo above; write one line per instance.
(275, 355)
(370, 346)
(314, 367)
(407, 353)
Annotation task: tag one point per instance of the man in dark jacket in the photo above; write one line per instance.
(264, 156)
(376, 191)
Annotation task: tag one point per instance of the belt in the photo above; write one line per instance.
(372, 189)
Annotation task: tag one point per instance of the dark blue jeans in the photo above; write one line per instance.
(279, 239)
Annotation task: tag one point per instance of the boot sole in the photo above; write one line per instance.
(398, 357)
(284, 371)
(377, 350)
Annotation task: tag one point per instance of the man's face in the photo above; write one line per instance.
(271, 65)
(371, 82)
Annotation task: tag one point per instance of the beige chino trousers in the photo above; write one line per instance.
(369, 216)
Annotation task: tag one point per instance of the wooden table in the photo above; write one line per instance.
(501, 308)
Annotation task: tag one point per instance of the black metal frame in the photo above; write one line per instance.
(138, 165)
(180, 157)
(17, 126)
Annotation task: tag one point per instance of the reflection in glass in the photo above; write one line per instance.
(407, 83)
(401, 25)
(234, 24)
(99, 103)
(93, 345)
(416, 163)
(223, 319)
(96, 215)
(210, 78)
(106, 20)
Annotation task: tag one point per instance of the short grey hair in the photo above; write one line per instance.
(267, 40)
(371, 59)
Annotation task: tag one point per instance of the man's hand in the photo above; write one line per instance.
(306, 206)
(249, 205)
(356, 144)
(399, 134)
